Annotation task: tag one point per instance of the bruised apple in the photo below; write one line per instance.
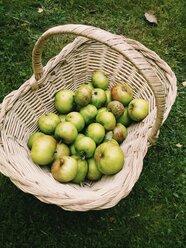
(119, 133)
(83, 95)
(122, 93)
(116, 108)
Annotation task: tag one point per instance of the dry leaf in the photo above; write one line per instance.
(184, 84)
(150, 17)
(39, 10)
(179, 145)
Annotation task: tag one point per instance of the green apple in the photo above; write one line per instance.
(98, 98)
(95, 131)
(64, 169)
(109, 158)
(79, 136)
(116, 108)
(48, 122)
(102, 110)
(138, 109)
(93, 173)
(66, 131)
(33, 137)
(107, 119)
(82, 170)
(108, 136)
(61, 150)
(83, 95)
(62, 117)
(119, 133)
(100, 80)
(113, 141)
(43, 149)
(88, 85)
(64, 101)
(89, 113)
(77, 119)
(108, 96)
(122, 93)
(73, 150)
(125, 118)
(85, 146)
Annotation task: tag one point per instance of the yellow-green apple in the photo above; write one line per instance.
(98, 98)
(125, 118)
(48, 122)
(107, 119)
(96, 131)
(66, 132)
(85, 146)
(64, 169)
(62, 117)
(64, 101)
(33, 137)
(119, 133)
(93, 173)
(82, 170)
(122, 93)
(89, 113)
(61, 150)
(108, 96)
(88, 85)
(77, 119)
(100, 80)
(138, 109)
(43, 149)
(109, 158)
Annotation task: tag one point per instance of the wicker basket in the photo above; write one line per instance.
(123, 60)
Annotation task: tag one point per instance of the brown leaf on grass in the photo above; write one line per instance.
(184, 84)
(150, 17)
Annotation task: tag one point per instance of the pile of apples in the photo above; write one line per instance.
(81, 141)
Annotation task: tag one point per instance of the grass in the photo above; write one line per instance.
(152, 216)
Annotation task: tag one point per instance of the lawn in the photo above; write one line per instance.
(152, 216)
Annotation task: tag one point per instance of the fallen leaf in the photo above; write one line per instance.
(150, 17)
(39, 10)
(179, 145)
(184, 84)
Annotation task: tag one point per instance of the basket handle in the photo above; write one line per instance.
(117, 43)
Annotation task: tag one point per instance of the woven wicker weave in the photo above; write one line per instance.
(123, 60)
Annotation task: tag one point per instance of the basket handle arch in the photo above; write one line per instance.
(117, 43)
